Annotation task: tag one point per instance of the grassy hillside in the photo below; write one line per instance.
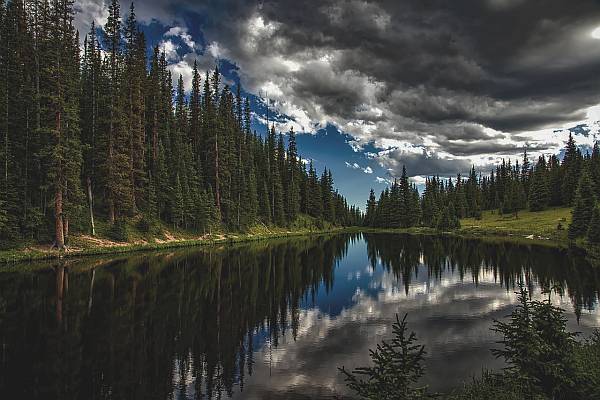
(550, 224)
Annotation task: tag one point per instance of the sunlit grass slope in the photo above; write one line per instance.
(549, 224)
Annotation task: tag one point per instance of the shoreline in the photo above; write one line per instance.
(23, 255)
(555, 239)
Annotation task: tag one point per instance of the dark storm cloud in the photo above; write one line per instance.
(462, 77)
(470, 49)
(338, 94)
(423, 164)
(488, 147)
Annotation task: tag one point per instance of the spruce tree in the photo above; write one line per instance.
(585, 202)
(293, 179)
(60, 120)
(134, 60)
(404, 200)
(539, 194)
(370, 209)
(595, 168)
(571, 167)
(396, 371)
(448, 220)
(593, 233)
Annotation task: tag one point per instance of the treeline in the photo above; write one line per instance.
(98, 132)
(510, 188)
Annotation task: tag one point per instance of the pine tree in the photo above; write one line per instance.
(555, 181)
(571, 166)
(539, 194)
(116, 160)
(460, 199)
(293, 179)
(326, 184)
(195, 122)
(370, 209)
(595, 168)
(315, 203)
(133, 107)
(593, 233)
(448, 220)
(585, 202)
(178, 211)
(526, 173)
(60, 119)
(537, 347)
(397, 368)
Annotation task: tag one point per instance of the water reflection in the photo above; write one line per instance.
(267, 320)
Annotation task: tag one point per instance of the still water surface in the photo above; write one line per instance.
(268, 320)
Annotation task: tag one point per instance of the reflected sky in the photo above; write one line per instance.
(451, 315)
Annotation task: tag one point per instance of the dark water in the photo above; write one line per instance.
(269, 320)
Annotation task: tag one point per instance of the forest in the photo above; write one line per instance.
(99, 130)
(534, 186)
(92, 130)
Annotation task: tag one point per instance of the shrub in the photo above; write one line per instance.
(537, 347)
(149, 225)
(119, 232)
(396, 368)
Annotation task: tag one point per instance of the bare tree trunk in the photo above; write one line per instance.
(91, 202)
(111, 211)
(66, 230)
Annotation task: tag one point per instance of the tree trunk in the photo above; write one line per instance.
(58, 219)
(6, 138)
(217, 183)
(131, 151)
(111, 211)
(240, 179)
(91, 203)
(58, 196)
(66, 230)
(154, 138)
(111, 174)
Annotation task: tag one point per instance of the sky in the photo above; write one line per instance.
(370, 87)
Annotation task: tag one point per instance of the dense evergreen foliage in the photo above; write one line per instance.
(509, 189)
(98, 131)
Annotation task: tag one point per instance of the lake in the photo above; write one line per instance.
(269, 319)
